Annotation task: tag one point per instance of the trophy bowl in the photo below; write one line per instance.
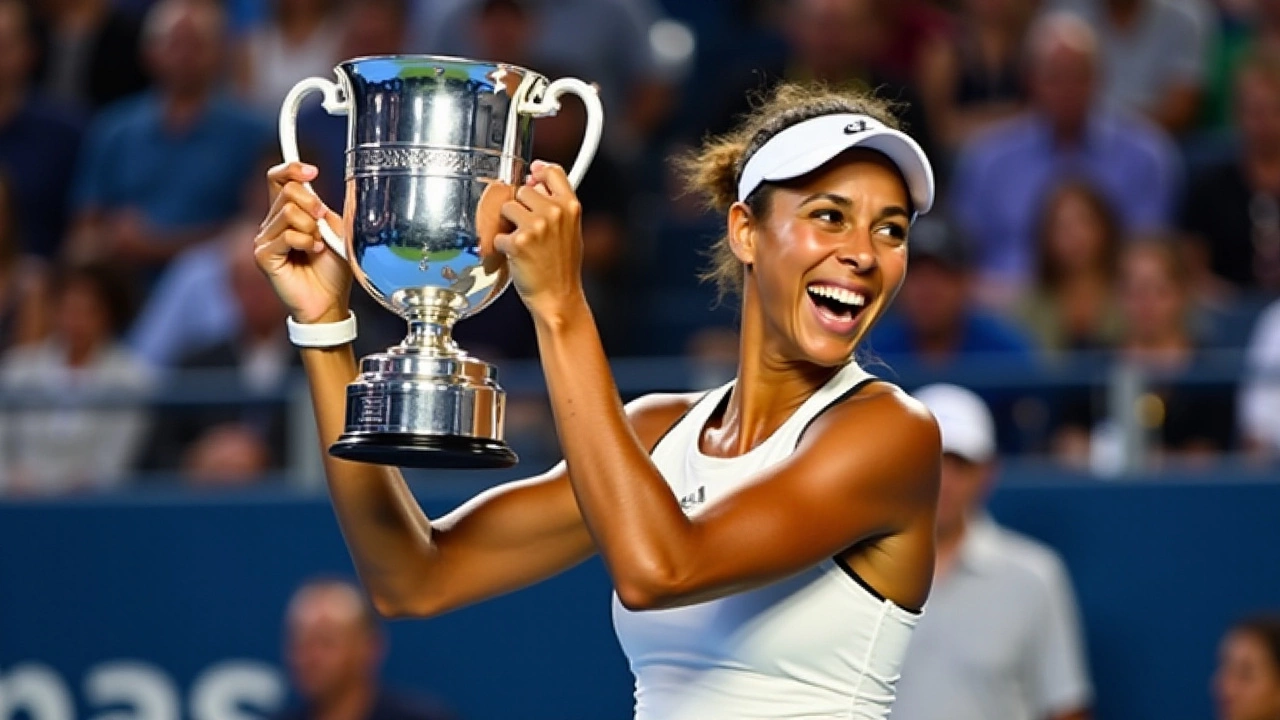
(435, 145)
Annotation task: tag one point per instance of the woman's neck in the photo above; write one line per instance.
(768, 390)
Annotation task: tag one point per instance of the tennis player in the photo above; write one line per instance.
(770, 542)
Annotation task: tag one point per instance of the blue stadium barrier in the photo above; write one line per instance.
(109, 605)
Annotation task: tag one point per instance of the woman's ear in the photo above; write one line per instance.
(742, 233)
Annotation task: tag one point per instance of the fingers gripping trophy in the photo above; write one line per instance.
(435, 145)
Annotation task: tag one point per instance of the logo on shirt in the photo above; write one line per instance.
(693, 499)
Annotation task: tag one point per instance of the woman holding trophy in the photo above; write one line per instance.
(770, 541)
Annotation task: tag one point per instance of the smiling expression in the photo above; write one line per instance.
(827, 258)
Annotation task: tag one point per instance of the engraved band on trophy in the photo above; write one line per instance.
(427, 136)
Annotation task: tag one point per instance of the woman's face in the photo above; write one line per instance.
(828, 258)
(1076, 234)
(1247, 682)
(1153, 302)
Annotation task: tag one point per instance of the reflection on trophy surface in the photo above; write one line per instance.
(435, 145)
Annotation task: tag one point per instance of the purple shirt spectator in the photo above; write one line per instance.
(1003, 176)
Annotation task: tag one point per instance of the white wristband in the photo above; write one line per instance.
(322, 335)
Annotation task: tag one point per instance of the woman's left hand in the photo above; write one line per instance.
(545, 248)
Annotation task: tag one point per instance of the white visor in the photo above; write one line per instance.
(807, 146)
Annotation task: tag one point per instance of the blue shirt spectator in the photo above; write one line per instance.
(162, 171)
(1002, 177)
(131, 160)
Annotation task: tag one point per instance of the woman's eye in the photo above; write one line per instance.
(828, 215)
(897, 232)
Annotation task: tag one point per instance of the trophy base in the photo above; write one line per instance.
(417, 407)
(424, 451)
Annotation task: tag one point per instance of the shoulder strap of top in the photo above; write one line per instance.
(709, 398)
(836, 393)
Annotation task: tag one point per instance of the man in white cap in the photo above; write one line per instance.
(1000, 637)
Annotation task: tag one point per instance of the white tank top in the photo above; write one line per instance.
(820, 644)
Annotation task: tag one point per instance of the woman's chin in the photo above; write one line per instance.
(828, 352)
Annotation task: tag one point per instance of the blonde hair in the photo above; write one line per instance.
(713, 170)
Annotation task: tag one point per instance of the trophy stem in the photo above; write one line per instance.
(434, 336)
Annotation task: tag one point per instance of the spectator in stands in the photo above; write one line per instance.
(369, 27)
(300, 39)
(124, 209)
(24, 314)
(1001, 637)
(937, 328)
(1247, 682)
(334, 647)
(61, 442)
(1187, 421)
(600, 41)
(235, 442)
(1259, 411)
(1073, 304)
(1003, 176)
(193, 305)
(1232, 209)
(973, 77)
(1153, 56)
(90, 53)
(38, 139)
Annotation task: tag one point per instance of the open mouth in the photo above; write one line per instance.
(838, 306)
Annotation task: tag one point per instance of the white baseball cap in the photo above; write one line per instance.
(808, 145)
(965, 421)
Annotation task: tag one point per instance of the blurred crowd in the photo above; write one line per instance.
(1103, 266)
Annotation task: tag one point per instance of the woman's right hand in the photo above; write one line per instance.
(311, 279)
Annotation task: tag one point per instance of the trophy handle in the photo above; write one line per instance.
(334, 105)
(550, 104)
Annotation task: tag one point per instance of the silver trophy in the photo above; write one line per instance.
(435, 145)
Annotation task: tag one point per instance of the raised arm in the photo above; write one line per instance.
(867, 469)
(504, 539)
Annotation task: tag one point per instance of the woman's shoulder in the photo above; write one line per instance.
(879, 413)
